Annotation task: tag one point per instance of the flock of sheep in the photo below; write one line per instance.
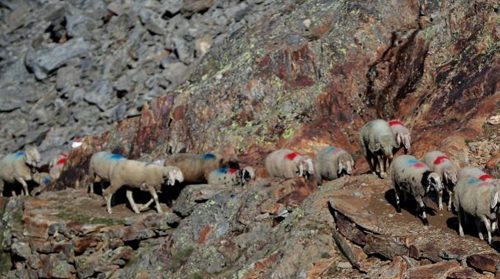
(470, 191)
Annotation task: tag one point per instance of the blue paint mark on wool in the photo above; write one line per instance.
(208, 156)
(46, 180)
(222, 170)
(115, 156)
(20, 153)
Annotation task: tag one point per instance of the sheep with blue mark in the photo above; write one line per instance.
(140, 175)
(333, 162)
(402, 135)
(440, 163)
(479, 199)
(286, 163)
(411, 176)
(231, 176)
(377, 144)
(196, 167)
(101, 166)
(474, 172)
(19, 167)
(42, 178)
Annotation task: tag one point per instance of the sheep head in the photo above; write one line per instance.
(172, 175)
(247, 174)
(451, 176)
(306, 167)
(433, 181)
(33, 157)
(345, 163)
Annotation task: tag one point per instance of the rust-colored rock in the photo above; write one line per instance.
(485, 262)
(395, 270)
(464, 273)
(432, 271)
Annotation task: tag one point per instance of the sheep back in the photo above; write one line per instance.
(328, 162)
(283, 163)
(136, 173)
(473, 172)
(377, 135)
(225, 176)
(102, 164)
(441, 164)
(195, 167)
(409, 174)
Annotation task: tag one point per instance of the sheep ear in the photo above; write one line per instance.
(340, 166)
(494, 201)
(399, 140)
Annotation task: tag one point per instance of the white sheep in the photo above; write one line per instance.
(175, 176)
(141, 175)
(42, 178)
(101, 165)
(19, 167)
(479, 199)
(286, 163)
(333, 162)
(195, 167)
(231, 176)
(473, 172)
(402, 135)
(377, 144)
(438, 162)
(57, 165)
(412, 176)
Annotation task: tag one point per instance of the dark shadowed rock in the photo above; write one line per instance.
(484, 262)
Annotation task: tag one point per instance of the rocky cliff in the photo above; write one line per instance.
(299, 74)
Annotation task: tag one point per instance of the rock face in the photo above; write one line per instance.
(260, 75)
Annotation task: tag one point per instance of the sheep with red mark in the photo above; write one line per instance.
(411, 176)
(231, 176)
(333, 162)
(474, 172)
(441, 164)
(56, 166)
(196, 167)
(101, 166)
(285, 163)
(402, 135)
(377, 144)
(479, 199)
(19, 167)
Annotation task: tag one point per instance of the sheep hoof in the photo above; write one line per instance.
(398, 209)
(426, 222)
(382, 175)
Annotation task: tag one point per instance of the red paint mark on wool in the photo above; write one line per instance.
(291, 156)
(419, 165)
(485, 177)
(63, 158)
(232, 170)
(395, 123)
(440, 159)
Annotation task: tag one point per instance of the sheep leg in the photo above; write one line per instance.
(421, 208)
(440, 200)
(398, 203)
(450, 199)
(153, 193)
(146, 205)
(487, 224)
(108, 194)
(381, 165)
(479, 228)
(130, 199)
(2, 185)
(460, 218)
(25, 185)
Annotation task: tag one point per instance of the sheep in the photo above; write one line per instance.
(286, 163)
(333, 162)
(231, 176)
(175, 176)
(195, 167)
(57, 165)
(101, 165)
(412, 176)
(377, 144)
(479, 199)
(473, 172)
(438, 162)
(141, 175)
(19, 167)
(401, 134)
